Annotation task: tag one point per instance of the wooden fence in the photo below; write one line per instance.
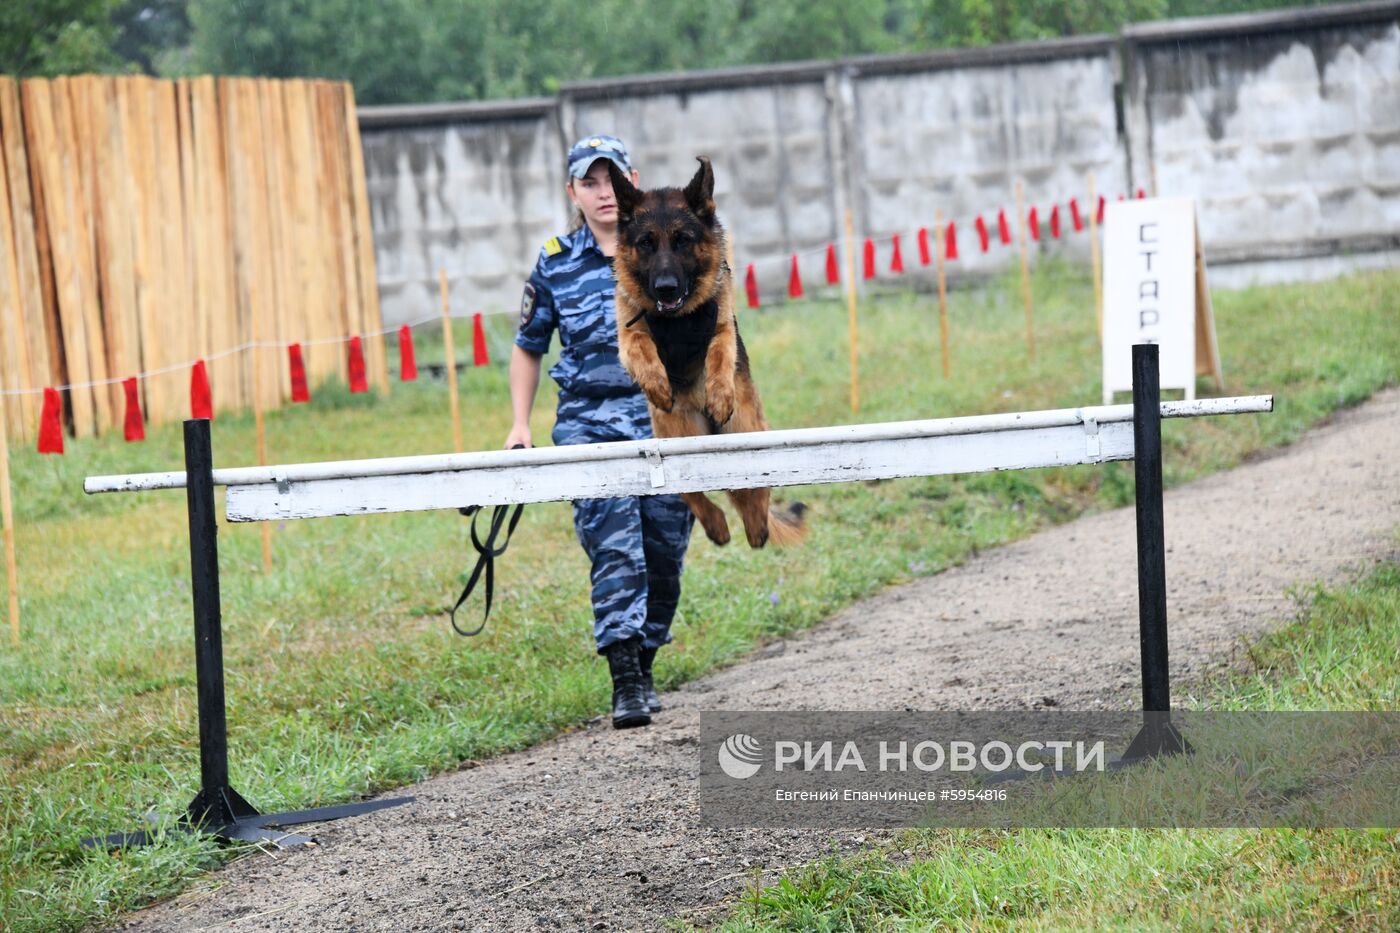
(146, 224)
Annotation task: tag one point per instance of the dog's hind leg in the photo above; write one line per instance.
(753, 509)
(710, 515)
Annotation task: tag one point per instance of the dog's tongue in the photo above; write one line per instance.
(669, 305)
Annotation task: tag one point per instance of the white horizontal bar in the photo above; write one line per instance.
(832, 462)
(672, 447)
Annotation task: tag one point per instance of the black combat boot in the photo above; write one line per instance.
(629, 697)
(644, 658)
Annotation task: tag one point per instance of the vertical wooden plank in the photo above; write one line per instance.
(364, 244)
(170, 306)
(73, 104)
(43, 253)
(335, 116)
(283, 311)
(232, 104)
(83, 91)
(217, 297)
(113, 238)
(183, 223)
(304, 212)
(346, 319)
(54, 165)
(262, 266)
(24, 224)
(14, 356)
(167, 395)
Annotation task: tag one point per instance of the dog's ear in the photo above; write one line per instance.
(700, 193)
(628, 197)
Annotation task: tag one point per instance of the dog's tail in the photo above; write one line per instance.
(787, 524)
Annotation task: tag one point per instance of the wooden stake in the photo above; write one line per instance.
(262, 448)
(851, 311)
(942, 294)
(451, 359)
(7, 512)
(1094, 251)
(1025, 268)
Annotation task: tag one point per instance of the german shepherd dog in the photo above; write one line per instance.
(679, 338)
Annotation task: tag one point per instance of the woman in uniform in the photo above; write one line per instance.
(636, 544)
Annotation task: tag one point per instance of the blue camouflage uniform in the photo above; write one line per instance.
(636, 544)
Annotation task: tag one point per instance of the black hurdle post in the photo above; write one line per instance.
(218, 809)
(1158, 736)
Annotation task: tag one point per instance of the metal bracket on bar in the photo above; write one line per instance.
(653, 457)
(1092, 444)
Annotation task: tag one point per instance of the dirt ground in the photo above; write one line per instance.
(600, 828)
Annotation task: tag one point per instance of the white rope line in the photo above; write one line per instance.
(786, 259)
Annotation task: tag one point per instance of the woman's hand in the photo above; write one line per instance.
(519, 436)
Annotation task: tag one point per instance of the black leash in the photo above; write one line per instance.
(487, 551)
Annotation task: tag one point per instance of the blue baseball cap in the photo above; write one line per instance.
(590, 149)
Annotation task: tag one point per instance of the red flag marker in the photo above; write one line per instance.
(924, 257)
(1074, 215)
(751, 286)
(794, 280)
(982, 233)
(408, 366)
(833, 270)
(357, 366)
(479, 357)
(952, 251)
(1098, 216)
(50, 427)
(300, 393)
(201, 399)
(1033, 221)
(1055, 221)
(897, 260)
(869, 258)
(1141, 194)
(1003, 229)
(135, 428)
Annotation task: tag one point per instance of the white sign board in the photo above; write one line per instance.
(1154, 291)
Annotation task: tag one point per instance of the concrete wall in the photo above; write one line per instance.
(1285, 126)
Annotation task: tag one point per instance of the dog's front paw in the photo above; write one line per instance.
(659, 395)
(719, 403)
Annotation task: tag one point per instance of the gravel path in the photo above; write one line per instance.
(598, 829)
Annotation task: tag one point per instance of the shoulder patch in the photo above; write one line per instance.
(528, 303)
(552, 248)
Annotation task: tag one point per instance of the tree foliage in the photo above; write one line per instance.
(408, 51)
(52, 37)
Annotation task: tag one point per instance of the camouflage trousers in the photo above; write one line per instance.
(636, 544)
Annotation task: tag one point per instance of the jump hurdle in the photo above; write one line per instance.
(1021, 440)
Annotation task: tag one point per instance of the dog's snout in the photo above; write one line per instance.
(666, 286)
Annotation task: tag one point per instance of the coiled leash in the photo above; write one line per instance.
(487, 551)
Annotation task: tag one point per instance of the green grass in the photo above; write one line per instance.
(1342, 654)
(343, 676)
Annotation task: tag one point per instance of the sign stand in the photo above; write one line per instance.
(1158, 736)
(218, 809)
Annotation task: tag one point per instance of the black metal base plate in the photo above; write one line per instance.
(246, 824)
